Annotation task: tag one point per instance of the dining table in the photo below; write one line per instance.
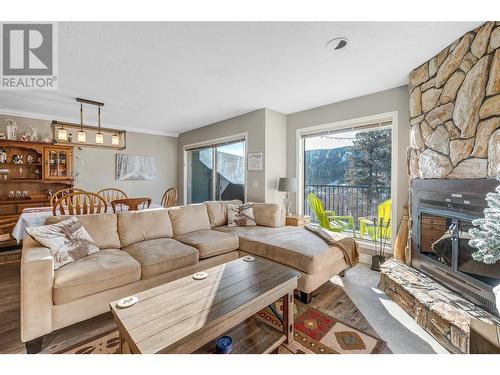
(36, 216)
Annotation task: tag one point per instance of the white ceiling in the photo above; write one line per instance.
(172, 77)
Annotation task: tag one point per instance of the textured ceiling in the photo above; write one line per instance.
(169, 77)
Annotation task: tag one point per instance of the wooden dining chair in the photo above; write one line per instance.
(169, 199)
(133, 204)
(61, 193)
(80, 203)
(112, 194)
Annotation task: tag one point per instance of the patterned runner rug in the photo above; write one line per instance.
(315, 332)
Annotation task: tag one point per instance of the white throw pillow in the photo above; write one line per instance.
(240, 215)
(67, 240)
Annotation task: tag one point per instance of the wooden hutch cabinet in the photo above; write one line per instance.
(29, 173)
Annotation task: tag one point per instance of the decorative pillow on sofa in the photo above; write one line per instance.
(67, 240)
(240, 215)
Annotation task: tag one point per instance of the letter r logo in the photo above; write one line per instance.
(27, 49)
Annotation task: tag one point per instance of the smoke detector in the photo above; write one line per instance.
(336, 44)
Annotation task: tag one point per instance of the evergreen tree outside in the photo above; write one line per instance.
(369, 164)
(486, 238)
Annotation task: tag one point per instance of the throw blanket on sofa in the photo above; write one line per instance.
(347, 244)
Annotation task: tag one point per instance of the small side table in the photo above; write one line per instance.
(297, 220)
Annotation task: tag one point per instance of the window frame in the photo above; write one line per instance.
(352, 124)
(213, 142)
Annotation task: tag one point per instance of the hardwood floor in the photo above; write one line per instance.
(330, 299)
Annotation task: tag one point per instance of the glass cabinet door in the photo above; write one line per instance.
(57, 164)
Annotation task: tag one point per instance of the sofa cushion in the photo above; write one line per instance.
(136, 226)
(101, 271)
(67, 240)
(294, 247)
(269, 214)
(102, 228)
(189, 218)
(217, 211)
(210, 242)
(162, 255)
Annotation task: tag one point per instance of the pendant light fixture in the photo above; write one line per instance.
(82, 136)
(62, 134)
(99, 137)
(115, 139)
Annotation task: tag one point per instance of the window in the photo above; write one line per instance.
(349, 170)
(216, 172)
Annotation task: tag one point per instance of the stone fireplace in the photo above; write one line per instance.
(455, 109)
(453, 160)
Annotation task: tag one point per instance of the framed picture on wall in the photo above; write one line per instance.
(135, 167)
(255, 161)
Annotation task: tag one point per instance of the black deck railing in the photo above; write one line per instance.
(357, 201)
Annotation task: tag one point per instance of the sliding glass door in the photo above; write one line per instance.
(216, 172)
(200, 176)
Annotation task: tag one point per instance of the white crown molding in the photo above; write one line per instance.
(39, 116)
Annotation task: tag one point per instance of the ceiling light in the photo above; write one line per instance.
(99, 137)
(337, 43)
(63, 131)
(62, 135)
(82, 136)
(115, 139)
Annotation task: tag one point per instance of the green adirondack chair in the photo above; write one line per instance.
(328, 219)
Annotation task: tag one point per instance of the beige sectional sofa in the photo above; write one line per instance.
(140, 250)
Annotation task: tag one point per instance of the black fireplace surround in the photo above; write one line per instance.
(442, 212)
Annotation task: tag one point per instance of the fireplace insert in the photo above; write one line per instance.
(442, 214)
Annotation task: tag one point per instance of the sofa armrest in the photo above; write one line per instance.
(269, 214)
(37, 278)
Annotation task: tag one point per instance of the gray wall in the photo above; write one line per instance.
(275, 134)
(396, 99)
(253, 124)
(96, 167)
(276, 154)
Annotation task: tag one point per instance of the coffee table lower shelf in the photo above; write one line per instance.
(253, 336)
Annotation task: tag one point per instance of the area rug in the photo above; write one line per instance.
(315, 333)
(319, 333)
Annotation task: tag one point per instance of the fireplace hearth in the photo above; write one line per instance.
(442, 212)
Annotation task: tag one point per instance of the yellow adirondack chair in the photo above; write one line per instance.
(328, 219)
(367, 225)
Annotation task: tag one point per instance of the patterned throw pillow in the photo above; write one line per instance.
(67, 240)
(240, 215)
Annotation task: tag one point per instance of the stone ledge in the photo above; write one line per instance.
(442, 313)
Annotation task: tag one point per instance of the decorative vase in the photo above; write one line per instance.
(11, 130)
(377, 260)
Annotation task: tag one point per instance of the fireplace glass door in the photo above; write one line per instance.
(436, 238)
(487, 273)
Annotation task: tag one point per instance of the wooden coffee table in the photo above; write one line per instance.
(187, 315)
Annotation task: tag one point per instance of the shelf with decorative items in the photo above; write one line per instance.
(84, 135)
(29, 172)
